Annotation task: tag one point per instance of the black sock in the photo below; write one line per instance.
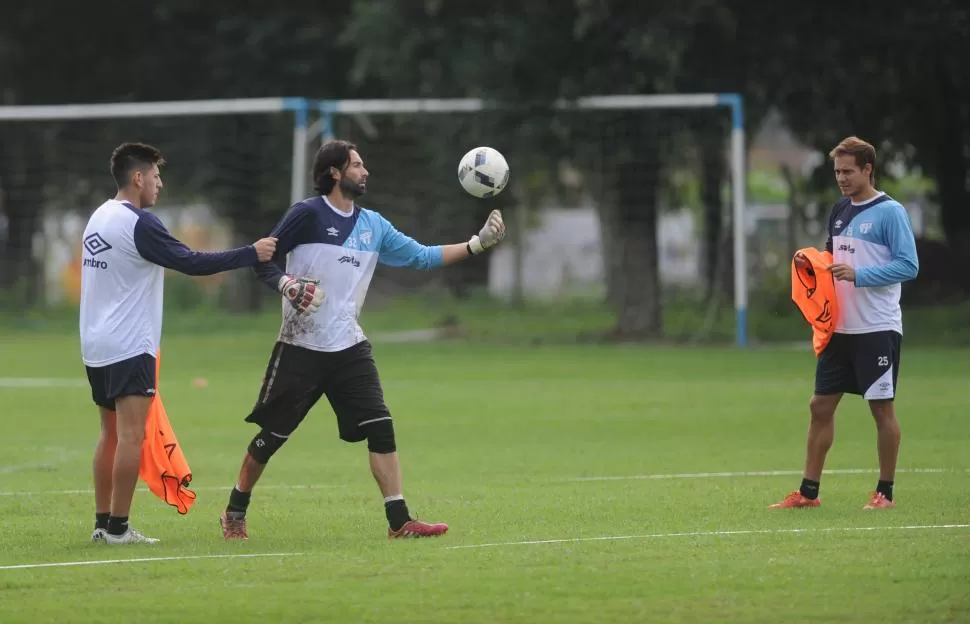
(117, 525)
(101, 520)
(885, 488)
(238, 501)
(397, 513)
(809, 489)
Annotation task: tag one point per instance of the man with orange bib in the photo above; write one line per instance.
(874, 252)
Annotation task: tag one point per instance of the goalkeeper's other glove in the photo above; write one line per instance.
(304, 294)
(490, 235)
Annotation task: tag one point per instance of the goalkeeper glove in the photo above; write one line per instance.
(490, 235)
(305, 295)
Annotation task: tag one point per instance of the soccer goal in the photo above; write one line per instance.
(565, 156)
(572, 162)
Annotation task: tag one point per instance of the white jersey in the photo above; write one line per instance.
(341, 251)
(875, 238)
(124, 250)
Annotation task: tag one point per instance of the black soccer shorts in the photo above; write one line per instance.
(865, 364)
(297, 377)
(132, 377)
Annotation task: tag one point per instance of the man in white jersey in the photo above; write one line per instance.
(874, 252)
(125, 250)
(331, 245)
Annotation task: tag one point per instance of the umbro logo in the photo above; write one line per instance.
(332, 231)
(838, 223)
(95, 244)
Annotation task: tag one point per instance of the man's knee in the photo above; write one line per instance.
(822, 406)
(265, 445)
(380, 435)
(131, 413)
(883, 410)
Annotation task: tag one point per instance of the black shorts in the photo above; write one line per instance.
(296, 378)
(132, 377)
(866, 364)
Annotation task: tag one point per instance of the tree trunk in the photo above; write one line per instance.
(952, 165)
(637, 282)
(940, 143)
(713, 171)
(612, 265)
(796, 207)
(22, 186)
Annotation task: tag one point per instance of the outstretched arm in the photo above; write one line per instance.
(400, 250)
(157, 245)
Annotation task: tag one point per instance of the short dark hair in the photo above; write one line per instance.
(130, 157)
(863, 152)
(333, 154)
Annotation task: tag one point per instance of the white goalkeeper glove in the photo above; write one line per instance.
(304, 294)
(490, 235)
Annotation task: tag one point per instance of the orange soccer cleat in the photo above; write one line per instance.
(879, 501)
(795, 500)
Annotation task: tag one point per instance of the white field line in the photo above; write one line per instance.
(68, 564)
(681, 475)
(761, 473)
(608, 538)
(210, 488)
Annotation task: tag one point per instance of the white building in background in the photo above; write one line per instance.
(564, 254)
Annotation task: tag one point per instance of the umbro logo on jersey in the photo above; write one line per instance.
(349, 259)
(94, 263)
(95, 244)
(332, 231)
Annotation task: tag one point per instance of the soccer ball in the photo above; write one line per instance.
(483, 172)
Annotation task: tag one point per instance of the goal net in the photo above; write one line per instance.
(621, 211)
(626, 214)
(229, 174)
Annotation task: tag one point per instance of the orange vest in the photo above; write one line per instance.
(163, 466)
(813, 291)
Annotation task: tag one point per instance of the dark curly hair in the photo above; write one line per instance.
(333, 154)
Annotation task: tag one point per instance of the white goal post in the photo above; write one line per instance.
(303, 133)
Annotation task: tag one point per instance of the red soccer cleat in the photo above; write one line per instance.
(233, 528)
(417, 528)
(795, 500)
(879, 501)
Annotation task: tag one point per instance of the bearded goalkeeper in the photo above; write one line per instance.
(331, 248)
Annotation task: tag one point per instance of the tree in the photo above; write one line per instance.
(903, 86)
(582, 48)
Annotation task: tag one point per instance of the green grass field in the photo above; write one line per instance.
(577, 481)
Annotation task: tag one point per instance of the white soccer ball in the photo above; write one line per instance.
(483, 172)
